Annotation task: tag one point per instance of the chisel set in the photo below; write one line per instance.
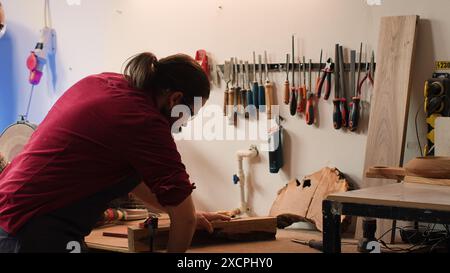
(246, 98)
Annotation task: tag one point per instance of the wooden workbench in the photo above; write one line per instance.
(400, 201)
(283, 243)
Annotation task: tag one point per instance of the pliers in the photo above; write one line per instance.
(328, 71)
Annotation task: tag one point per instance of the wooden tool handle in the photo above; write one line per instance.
(225, 101)
(231, 95)
(269, 98)
(386, 173)
(286, 92)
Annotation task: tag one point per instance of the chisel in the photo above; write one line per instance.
(249, 107)
(243, 89)
(286, 82)
(337, 115)
(318, 90)
(232, 95)
(356, 100)
(344, 105)
(303, 91)
(237, 95)
(300, 88)
(261, 90)
(310, 99)
(268, 89)
(293, 107)
(255, 83)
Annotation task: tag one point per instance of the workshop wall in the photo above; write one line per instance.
(99, 35)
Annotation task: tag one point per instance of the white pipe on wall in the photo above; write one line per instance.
(241, 155)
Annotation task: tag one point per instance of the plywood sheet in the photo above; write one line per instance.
(390, 102)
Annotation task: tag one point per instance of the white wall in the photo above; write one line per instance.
(99, 35)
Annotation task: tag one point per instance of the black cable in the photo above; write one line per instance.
(417, 129)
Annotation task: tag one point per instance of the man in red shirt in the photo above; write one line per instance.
(108, 135)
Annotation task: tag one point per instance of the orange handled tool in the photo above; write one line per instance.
(286, 83)
(310, 100)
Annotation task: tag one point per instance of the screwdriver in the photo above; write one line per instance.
(302, 106)
(310, 99)
(318, 90)
(337, 115)
(344, 105)
(293, 89)
(268, 89)
(243, 90)
(255, 83)
(300, 88)
(237, 95)
(286, 83)
(261, 90)
(356, 100)
(249, 100)
(232, 94)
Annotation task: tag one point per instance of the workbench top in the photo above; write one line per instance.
(408, 195)
(283, 243)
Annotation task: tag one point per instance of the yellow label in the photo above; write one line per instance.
(441, 65)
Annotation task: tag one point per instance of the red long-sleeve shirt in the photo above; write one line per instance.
(96, 134)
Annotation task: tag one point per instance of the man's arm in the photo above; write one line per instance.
(183, 219)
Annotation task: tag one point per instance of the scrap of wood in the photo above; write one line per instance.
(429, 181)
(330, 183)
(302, 201)
(390, 102)
(295, 198)
(245, 229)
(386, 173)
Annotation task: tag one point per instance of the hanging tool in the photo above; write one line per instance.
(261, 89)
(276, 134)
(255, 84)
(226, 76)
(232, 95)
(238, 88)
(327, 72)
(243, 88)
(268, 89)
(337, 115)
(356, 100)
(294, 90)
(286, 83)
(344, 105)
(319, 73)
(300, 88)
(249, 110)
(301, 109)
(310, 99)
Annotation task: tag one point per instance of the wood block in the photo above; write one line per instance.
(330, 183)
(294, 200)
(390, 102)
(241, 230)
(429, 181)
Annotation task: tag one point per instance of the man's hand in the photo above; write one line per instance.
(204, 220)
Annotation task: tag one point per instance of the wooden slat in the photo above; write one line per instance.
(390, 102)
(386, 173)
(406, 195)
(429, 181)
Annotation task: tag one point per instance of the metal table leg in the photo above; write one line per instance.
(331, 227)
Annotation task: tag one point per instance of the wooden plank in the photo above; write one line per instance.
(406, 195)
(295, 199)
(429, 181)
(391, 95)
(330, 183)
(245, 229)
(442, 141)
(386, 173)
